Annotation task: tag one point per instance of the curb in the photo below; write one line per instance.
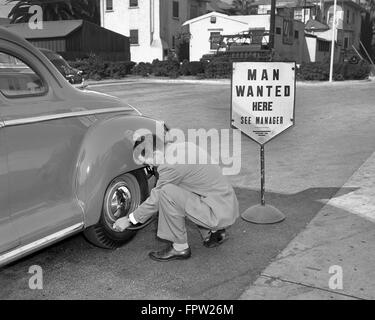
(217, 82)
(340, 233)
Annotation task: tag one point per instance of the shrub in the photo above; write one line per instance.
(358, 71)
(142, 69)
(95, 68)
(341, 71)
(192, 68)
(165, 68)
(219, 67)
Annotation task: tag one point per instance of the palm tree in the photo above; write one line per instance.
(243, 6)
(53, 10)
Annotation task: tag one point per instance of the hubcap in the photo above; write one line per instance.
(120, 202)
(122, 197)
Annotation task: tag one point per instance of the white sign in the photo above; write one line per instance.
(263, 97)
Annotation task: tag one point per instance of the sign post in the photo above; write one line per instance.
(263, 101)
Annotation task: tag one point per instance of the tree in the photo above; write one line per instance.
(368, 27)
(53, 10)
(243, 7)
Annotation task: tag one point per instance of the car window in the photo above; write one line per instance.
(17, 79)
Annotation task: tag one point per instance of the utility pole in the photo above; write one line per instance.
(272, 25)
(333, 42)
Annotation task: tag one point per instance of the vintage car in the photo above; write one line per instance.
(66, 156)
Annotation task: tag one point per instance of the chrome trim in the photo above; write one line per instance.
(139, 112)
(24, 250)
(17, 122)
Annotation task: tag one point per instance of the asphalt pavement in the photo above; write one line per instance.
(306, 167)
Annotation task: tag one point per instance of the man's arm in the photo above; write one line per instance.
(167, 175)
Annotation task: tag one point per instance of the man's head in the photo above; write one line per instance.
(149, 149)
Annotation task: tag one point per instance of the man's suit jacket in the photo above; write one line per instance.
(217, 204)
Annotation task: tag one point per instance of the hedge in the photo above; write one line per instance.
(192, 68)
(341, 71)
(96, 68)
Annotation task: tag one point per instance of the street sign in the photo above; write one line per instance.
(263, 98)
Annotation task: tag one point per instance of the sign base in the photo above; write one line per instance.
(260, 214)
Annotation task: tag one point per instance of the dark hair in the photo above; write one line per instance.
(142, 139)
(155, 139)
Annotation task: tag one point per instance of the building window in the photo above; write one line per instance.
(348, 17)
(296, 34)
(330, 19)
(213, 19)
(323, 46)
(278, 30)
(214, 40)
(176, 9)
(298, 14)
(353, 17)
(346, 43)
(173, 42)
(133, 3)
(109, 5)
(134, 36)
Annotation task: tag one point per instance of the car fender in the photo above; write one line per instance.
(106, 153)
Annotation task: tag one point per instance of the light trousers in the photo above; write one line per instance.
(172, 214)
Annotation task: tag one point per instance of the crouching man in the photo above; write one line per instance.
(198, 192)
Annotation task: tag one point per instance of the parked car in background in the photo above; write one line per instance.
(66, 156)
(74, 76)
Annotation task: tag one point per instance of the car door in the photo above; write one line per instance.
(8, 236)
(42, 148)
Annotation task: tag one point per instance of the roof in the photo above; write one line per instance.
(285, 3)
(312, 24)
(215, 14)
(7, 35)
(4, 21)
(51, 29)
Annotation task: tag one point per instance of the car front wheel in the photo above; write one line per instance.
(123, 195)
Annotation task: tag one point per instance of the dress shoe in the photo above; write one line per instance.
(215, 239)
(170, 253)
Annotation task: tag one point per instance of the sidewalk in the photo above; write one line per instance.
(342, 234)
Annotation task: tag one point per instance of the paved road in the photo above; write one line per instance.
(305, 167)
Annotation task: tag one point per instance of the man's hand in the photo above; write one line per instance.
(121, 224)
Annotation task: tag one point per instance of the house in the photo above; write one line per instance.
(348, 27)
(205, 30)
(349, 19)
(302, 10)
(76, 39)
(4, 21)
(154, 26)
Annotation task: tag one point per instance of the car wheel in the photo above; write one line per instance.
(123, 195)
